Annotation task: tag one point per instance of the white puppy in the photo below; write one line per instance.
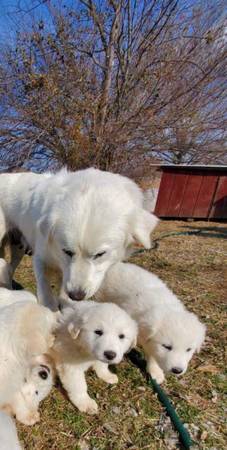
(25, 403)
(80, 223)
(25, 332)
(90, 335)
(168, 333)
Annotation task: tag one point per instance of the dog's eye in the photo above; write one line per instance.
(98, 255)
(68, 252)
(188, 350)
(121, 336)
(168, 347)
(43, 374)
(99, 332)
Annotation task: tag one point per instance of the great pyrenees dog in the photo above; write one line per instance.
(168, 333)
(26, 332)
(90, 335)
(36, 387)
(77, 222)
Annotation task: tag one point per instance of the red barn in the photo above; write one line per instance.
(198, 192)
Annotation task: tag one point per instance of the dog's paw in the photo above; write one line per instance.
(156, 373)
(29, 419)
(111, 378)
(89, 406)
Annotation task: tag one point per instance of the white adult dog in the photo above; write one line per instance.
(168, 333)
(80, 223)
(90, 335)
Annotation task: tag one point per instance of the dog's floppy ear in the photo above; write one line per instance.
(134, 343)
(201, 336)
(73, 331)
(142, 225)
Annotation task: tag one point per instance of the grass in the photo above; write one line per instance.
(130, 416)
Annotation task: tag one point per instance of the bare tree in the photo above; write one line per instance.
(109, 82)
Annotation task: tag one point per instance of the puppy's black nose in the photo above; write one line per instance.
(78, 294)
(43, 374)
(176, 370)
(110, 355)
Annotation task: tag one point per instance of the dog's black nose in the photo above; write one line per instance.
(177, 370)
(78, 294)
(110, 355)
(43, 374)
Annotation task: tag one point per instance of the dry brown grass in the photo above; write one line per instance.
(130, 414)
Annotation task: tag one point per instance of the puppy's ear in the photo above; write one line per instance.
(200, 336)
(142, 225)
(134, 343)
(73, 331)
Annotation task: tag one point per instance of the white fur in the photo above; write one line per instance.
(39, 381)
(5, 274)
(8, 433)
(162, 319)
(96, 215)
(8, 297)
(78, 347)
(25, 333)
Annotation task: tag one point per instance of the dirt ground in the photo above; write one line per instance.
(130, 416)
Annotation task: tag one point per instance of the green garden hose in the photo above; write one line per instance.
(184, 436)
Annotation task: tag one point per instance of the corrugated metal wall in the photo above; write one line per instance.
(192, 194)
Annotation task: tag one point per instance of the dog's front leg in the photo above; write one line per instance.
(154, 370)
(73, 380)
(102, 371)
(44, 293)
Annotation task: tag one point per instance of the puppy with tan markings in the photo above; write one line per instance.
(26, 332)
(36, 387)
(168, 332)
(90, 335)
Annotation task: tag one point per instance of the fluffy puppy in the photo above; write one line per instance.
(90, 335)
(26, 331)
(25, 403)
(8, 297)
(79, 223)
(168, 333)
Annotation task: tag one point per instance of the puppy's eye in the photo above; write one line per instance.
(188, 350)
(68, 252)
(43, 374)
(98, 255)
(99, 332)
(121, 336)
(168, 347)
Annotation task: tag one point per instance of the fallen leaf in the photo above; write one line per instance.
(209, 368)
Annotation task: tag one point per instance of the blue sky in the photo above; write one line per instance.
(11, 18)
